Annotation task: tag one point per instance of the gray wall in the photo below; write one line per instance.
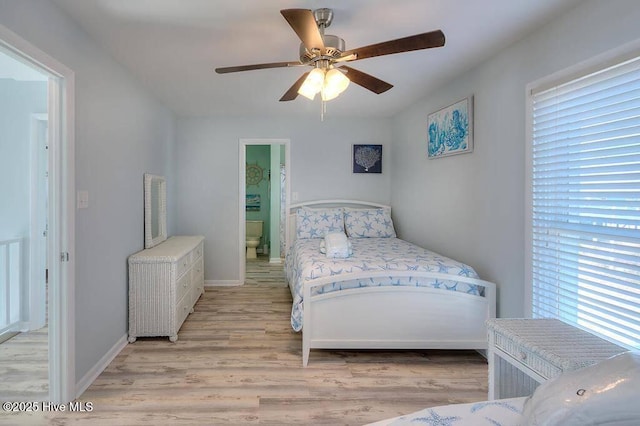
(208, 173)
(18, 100)
(471, 206)
(121, 132)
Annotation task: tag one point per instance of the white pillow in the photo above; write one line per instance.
(316, 223)
(369, 223)
(336, 245)
(606, 393)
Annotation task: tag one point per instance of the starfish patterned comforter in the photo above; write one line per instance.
(305, 262)
(501, 412)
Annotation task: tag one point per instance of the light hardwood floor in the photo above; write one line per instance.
(237, 361)
(260, 272)
(24, 367)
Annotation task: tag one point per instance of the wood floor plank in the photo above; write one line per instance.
(24, 369)
(237, 361)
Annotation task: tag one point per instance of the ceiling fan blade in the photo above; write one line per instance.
(367, 81)
(406, 44)
(304, 24)
(225, 70)
(292, 93)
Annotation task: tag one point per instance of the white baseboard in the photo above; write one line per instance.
(222, 283)
(275, 260)
(93, 374)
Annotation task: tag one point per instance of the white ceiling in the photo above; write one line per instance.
(172, 46)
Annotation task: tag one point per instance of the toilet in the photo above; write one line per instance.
(253, 234)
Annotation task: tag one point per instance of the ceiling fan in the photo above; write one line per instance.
(326, 54)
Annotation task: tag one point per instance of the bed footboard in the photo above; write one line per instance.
(396, 317)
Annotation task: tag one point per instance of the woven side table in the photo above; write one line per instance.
(526, 352)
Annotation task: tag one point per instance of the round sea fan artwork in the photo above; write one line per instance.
(366, 157)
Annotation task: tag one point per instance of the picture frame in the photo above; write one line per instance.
(367, 158)
(450, 129)
(252, 202)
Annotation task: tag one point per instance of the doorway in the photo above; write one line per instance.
(264, 199)
(36, 233)
(23, 242)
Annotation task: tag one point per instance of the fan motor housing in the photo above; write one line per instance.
(334, 46)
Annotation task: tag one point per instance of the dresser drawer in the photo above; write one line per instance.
(197, 271)
(197, 252)
(182, 309)
(183, 264)
(183, 286)
(193, 297)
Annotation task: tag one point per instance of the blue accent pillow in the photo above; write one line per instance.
(369, 223)
(316, 223)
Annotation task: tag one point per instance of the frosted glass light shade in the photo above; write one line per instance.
(335, 82)
(312, 84)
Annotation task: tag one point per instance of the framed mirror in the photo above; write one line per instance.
(155, 210)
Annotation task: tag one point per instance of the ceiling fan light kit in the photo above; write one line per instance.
(335, 82)
(327, 54)
(312, 84)
(328, 83)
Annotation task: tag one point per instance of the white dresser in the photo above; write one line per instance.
(164, 283)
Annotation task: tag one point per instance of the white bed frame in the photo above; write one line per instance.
(393, 317)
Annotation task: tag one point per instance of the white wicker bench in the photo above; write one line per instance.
(526, 352)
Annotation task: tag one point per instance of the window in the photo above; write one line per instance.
(584, 235)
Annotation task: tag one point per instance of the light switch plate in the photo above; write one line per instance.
(82, 199)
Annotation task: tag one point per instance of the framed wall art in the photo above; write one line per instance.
(252, 203)
(450, 130)
(367, 158)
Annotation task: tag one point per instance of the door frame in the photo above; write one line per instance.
(243, 191)
(61, 212)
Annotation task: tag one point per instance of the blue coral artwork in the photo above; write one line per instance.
(450, 130)
(367, 158)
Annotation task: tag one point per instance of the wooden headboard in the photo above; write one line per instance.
(319, 204)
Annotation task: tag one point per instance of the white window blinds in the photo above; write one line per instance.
(586, 203)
